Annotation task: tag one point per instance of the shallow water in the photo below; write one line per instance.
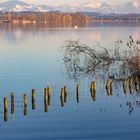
(32, 58)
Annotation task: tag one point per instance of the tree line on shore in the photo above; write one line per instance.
(54, 17)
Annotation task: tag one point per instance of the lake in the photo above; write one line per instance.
(32, 58)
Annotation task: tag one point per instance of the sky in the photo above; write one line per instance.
(71, 1)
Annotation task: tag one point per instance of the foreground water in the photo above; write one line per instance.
(33, 58)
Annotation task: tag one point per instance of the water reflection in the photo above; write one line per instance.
(116, 73)
(118, 63)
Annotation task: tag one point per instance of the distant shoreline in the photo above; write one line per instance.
(62, 23)
(113, 21)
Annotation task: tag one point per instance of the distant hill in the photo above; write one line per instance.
(112, 16)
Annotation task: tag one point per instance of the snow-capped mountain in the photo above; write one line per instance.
(18, 6)
(131, 7)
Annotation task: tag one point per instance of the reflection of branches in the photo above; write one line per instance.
(81, 59)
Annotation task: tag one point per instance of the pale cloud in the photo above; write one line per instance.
(136, 3)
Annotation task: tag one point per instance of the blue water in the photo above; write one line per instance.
(33, 58)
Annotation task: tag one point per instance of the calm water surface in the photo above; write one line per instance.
(33, 58)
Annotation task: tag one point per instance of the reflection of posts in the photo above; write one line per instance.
(49, 95)
(12, 103)
(93, 90)
(65, 94)
(77, 93)
(94, 96)
(62, 97)
(5, 109)
(111, 88)
(130, 85)
(45, 100)
(33, 99)
(108, 92)
(124, 85)
(5, 116)
(25, 104)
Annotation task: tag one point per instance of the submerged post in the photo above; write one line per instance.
(77, 92)
(131, 85)
(108, 84)
(33, 99)
(25, 104)
(12, 103)
(124, 85)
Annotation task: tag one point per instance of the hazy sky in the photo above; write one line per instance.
(70, 1)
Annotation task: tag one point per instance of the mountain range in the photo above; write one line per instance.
(19, 6)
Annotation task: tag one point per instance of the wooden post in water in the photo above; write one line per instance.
(45, 100)
(124, 85)
(49, 95)
(93, 87)
(62, 97)
(5, 104)
(25, 104)
(108, 87)
(33, 99)
(108, 84)
(12, 103)
(93, 90)
(131, 86)
(5, 109)
(77, 92)
(65, 94)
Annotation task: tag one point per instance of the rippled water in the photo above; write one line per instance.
(33, 58)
